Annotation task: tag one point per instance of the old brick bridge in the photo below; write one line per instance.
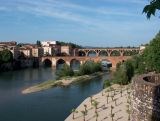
(113, 55)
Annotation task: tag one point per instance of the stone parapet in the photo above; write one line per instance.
(146, 98)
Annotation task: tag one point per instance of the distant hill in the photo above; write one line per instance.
(69, 43)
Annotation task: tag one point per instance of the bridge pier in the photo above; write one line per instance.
(68, 63)
(54, 62)
(113, 59)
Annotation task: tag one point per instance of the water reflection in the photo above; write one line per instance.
(50, 105)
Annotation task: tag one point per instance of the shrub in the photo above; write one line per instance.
(65, 71)
(89, 68)
(106, 83)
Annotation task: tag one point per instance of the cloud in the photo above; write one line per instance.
(2, 8)
(128, 1)
(81, 14)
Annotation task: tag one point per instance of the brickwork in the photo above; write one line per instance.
(114, 60)
(146, 98)
(108, 50)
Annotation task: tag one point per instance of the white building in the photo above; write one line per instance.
(142, 47)
(48, 51)
(26, 52)
(48, 43)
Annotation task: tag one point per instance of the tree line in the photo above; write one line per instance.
(146, 62)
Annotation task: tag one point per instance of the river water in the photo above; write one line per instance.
(50, 105)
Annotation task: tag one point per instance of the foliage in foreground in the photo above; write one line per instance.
(124, 73)
(151, 8)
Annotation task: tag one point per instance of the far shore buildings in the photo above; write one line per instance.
(37, 52)
(47, 48)
(66, 50)
(50, 48)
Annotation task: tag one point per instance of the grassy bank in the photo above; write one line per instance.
(65, 81)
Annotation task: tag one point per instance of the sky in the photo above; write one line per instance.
(101, 23)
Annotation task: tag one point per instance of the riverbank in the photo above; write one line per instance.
(62, 82)
(119, 111)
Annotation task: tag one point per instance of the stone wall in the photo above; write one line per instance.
(146, 98)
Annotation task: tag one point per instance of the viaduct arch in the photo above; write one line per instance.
(69, 60)
(110, 51)
(113, 55)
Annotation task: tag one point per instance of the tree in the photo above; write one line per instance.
(91, 99)
(65, 71)
(112, 109)
(85, 106)
(95, 104)
(84, 113)
(151, 8)
(73, 111)
(38, 43)
(107, 97)
(106, 83)
(6, 56)
(151, 55)
(97, 116)
(112, 115)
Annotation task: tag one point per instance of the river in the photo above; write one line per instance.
(50, 105)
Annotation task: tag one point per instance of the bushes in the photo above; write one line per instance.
(106, 83)
(65, 71)
(89, 68)
(123, 74)
(6, 56)
(86, 68)
(151, 55)
(149, 61)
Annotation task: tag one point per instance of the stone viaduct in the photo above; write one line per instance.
(113, 55)
(108, 51)
(68, 60)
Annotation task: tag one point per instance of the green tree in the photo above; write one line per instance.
(95, 104)
(6, 56)
(89, 68)
(106, 83)
(38, 43)
(151, 8)
(65, 71)
(151, 55)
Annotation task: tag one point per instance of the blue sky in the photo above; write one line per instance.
(85, 22)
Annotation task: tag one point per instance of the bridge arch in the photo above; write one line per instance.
(127, 53)
(81, 53)
(47, 63)
(106, 64)
(115, 53)
(103, 53)
(135, 52)
(92, 53)
(60, 63)
(75, 64)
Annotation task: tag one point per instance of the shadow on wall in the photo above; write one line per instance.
(156, 104)
(155, 80)
(47, 63)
